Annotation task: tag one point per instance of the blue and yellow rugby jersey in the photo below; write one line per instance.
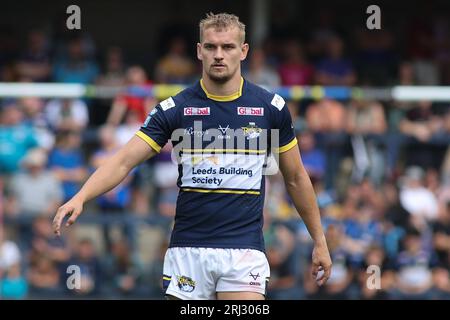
(221, 198)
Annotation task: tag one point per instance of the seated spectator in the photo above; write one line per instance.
(376, 257)
(9, 253)
(123, 270)
(127, 130)
(86, 258)
(420, 202)
(165, 180)
(176, 66)
(142, 105)
(43, 278)
(114, 71)
(67, 163)
(259, 72)
(75, 67)
(67, 114)
(361, 231)
(34, 62)
(45, 243)
(335, 69)
(327, 119)
(295, 70)
(34, 116)
(424, 124)
(313, 158)
(339, 284)
(441, 238)
(35, 191)
(281, 255)
(414, 265)
(366, 124)
(15, 138)
(118, 199)
(13, 285)
(298, 121)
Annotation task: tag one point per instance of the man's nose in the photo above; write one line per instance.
(218, 54)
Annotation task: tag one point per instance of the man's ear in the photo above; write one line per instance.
(244, 49)
(199, 51)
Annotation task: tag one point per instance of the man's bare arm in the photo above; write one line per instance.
(300, 189)
(105, 178)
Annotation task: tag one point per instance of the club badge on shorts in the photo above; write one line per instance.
(185, 284)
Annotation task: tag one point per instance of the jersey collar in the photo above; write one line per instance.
(230, 97)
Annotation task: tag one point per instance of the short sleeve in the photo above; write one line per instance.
(159, 125)
(283, 122)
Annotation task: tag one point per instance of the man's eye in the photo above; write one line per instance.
(228, 47)
(208, 46)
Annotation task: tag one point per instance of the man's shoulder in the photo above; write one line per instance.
(264, 95)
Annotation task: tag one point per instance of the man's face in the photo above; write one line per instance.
(221, 53)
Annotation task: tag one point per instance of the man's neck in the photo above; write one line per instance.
(228, 88)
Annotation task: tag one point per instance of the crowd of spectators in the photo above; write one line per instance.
(381, 169)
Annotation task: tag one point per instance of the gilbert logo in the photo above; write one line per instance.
(191, 111)
(250, 111)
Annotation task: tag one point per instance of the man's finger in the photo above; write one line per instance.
(315, 270)
(73, 217)
(325, 276)
(57, 222)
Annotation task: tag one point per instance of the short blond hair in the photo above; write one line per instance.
(221, 21)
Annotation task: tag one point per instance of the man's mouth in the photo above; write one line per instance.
(218, 66)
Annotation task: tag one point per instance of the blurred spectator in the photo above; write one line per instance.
(67, 114)
(339, 283)
(327, 119)
(15, 138)
(361, 230)
(366, 124)
(281, 254)
(420, 202)
(165, 180)
(33, 111)
(75, 67)
(44, 242)
(43, 278)
(34, 63)
(414, 274)
(136, 78)
(13, 285)
(9, 253)
(335, 70)
(123, 269)
(312, 157)
(86, 258)
(176, 66)
(441, 238)
(67, 163)
(118, 199)
(376, 58)
(35, 191)
(128, 129)
(376, 257)
(295, 70)
(113, 74)
(298, 122)
(259, 72)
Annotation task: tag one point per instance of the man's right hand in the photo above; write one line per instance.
(72, 208)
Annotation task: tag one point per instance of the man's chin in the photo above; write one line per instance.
(219, 78)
